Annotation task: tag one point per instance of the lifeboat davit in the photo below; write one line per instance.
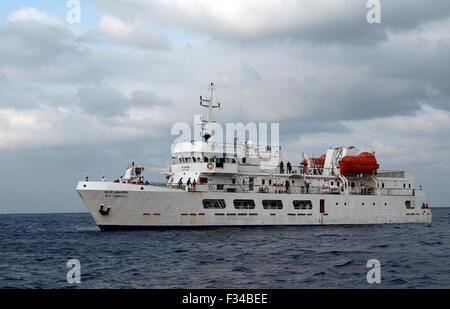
(315, 161)
(364, 163)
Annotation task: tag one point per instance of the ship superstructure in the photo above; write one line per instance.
(211, 183)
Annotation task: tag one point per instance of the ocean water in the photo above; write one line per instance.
(35, 249)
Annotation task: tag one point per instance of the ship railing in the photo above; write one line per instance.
(216, 187)
(389, 174)
(398, 192)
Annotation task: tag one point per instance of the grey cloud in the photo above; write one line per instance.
(342, 24)
(295, 128)
(249, 73)
(31, 43)
(108, 101)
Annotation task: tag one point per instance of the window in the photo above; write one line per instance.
(263, 182)
(302, 204)
(409, 204)
(244, 204)
(213, 204)
(220, 187)
(188, 160)
(272, 204)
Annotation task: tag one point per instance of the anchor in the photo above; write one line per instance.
(104, 212)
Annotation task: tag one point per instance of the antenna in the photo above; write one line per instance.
(210, 106)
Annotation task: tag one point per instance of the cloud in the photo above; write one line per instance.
(108, 101)
(32, 38)
(317, 68)
(131, 33)
(402, 141)
(251, 21)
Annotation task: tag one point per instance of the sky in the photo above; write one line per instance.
(85, 99)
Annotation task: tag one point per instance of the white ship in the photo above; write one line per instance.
(212, 185)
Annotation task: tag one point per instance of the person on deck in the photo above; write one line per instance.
(288, 167)
(281, 167)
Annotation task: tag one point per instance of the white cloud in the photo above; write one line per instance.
(131, 33)
(26, 14)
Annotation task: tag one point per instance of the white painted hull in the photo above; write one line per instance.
(147, 207)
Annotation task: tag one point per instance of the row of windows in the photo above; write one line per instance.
(205, 159)
(250, 204)
(272, 204)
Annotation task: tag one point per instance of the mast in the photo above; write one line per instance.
(210, 106)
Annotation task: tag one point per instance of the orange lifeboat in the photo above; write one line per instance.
(364, 163)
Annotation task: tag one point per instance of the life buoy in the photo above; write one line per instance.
(266, 189)
(210, 165)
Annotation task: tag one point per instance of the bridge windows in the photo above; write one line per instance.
(272, 204)
(214, 204)
(244, 204)
(302, 204)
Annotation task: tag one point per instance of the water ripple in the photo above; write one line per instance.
(36, 248)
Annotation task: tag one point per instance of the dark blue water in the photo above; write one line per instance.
(35, 249)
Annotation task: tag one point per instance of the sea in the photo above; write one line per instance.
(35, 250)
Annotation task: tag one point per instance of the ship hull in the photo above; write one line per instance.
(134, 207)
